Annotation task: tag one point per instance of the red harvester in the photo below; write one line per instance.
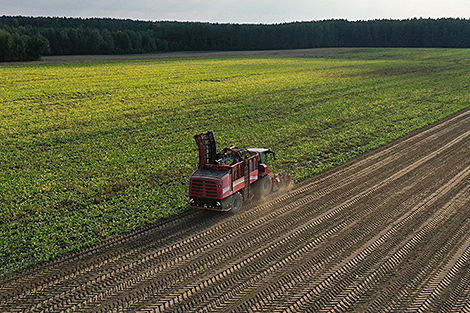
(224, 180)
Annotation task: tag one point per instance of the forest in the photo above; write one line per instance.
(28, 38)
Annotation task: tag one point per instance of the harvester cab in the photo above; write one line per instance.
(263, 154)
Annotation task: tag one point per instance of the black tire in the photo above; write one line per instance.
(264, 186)
(237, 203)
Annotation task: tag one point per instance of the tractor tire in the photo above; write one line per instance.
(264, 186)
(237, 203)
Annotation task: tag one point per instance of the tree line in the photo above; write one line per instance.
(28, 38)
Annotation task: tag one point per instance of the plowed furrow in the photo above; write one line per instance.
(320, 295)
(433, 256)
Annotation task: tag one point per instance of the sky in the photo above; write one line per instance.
(239, 11)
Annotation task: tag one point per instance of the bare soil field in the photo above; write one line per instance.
(386, 232)
(198, 54)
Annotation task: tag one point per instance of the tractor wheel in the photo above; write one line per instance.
(237, 203)
(265, 186)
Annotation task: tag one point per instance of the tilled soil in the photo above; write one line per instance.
(386, 232)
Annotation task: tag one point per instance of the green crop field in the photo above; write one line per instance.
(88, 150)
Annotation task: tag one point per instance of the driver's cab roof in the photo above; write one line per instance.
(258, 150)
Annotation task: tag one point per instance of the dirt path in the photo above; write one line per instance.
(197, 54)
(388, 231)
